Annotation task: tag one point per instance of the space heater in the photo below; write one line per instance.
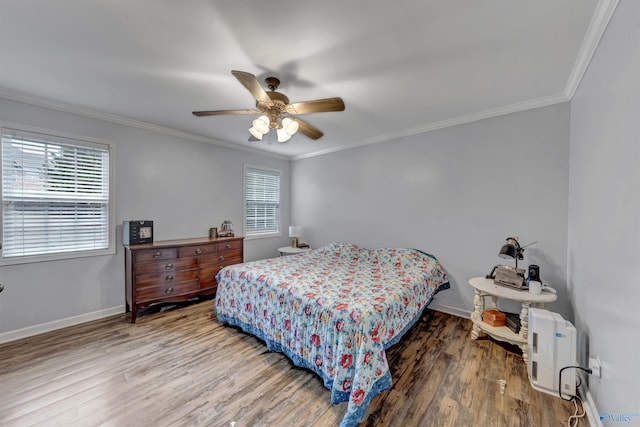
(552, 346)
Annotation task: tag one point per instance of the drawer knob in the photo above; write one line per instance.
(157, 255)
(221, 257)
(168, 266)
(228, 245)
(198, 251)
(168, 278)
(168, 290)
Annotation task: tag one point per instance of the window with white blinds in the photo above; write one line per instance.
(262, 202)
(55, 196)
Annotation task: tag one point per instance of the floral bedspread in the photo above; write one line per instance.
(333, 310)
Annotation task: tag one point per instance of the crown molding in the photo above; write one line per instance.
(473, 117)
(602, 14)
(597, 26)
(469, 118)
(12, 95)
(601, 17)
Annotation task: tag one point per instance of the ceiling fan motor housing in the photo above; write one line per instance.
(272, 83)
(276, 110)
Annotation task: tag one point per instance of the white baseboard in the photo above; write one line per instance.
(449, 310)
(59, 324)
(589, 405)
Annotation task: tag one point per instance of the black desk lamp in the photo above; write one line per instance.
(512, 250)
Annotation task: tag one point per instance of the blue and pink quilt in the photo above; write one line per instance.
(333, 310)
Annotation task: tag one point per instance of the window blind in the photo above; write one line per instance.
(262, 202)
(55, 194)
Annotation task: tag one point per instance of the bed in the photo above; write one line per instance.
(333, 310)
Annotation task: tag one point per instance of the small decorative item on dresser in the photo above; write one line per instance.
(137, 232)
(226, 229)
(213, 232)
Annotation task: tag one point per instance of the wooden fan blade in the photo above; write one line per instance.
(308, 130)
(317, 106)
(252, 84)
(221, 112)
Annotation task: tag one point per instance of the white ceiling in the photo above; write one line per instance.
(402, 67)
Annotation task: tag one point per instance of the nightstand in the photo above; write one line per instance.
(290, 250)
(487, 288)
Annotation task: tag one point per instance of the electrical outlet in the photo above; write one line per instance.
(594, 365)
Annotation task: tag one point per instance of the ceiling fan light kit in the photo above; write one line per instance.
(282, 136)
(276, 112)
(285, 128)
(255, 133)
(290, 126)
(261, 124)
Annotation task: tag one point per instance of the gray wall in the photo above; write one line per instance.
(604, 213)
(456, 193)
(183, 185)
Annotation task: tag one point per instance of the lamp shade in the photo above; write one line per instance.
(295, 231)
(256, 133)
(283, 136)
(508, 251)
(290, 126)
(261, 124)
(511, 250)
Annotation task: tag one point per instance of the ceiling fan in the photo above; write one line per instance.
(277, 115)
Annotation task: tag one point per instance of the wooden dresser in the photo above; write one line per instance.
(176, 270)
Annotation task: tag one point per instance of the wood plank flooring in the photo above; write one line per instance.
(181, 367)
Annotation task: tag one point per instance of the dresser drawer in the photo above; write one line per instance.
(218, 258)
(166, 278)
(208, 273)
(147, 255)
(166, 291)
(196, 250)
(231, 258)
(166, 266)
(208, 276)
(229, 246)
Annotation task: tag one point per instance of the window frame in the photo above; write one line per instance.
(247, 234)
(79, 140)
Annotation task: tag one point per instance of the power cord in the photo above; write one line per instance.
(575, 418)
(587, 370)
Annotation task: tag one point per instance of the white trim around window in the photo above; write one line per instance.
(57, 193)
(262, 202)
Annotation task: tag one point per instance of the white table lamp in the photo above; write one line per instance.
(295, 231)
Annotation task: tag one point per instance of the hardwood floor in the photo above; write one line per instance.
(182, 368)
